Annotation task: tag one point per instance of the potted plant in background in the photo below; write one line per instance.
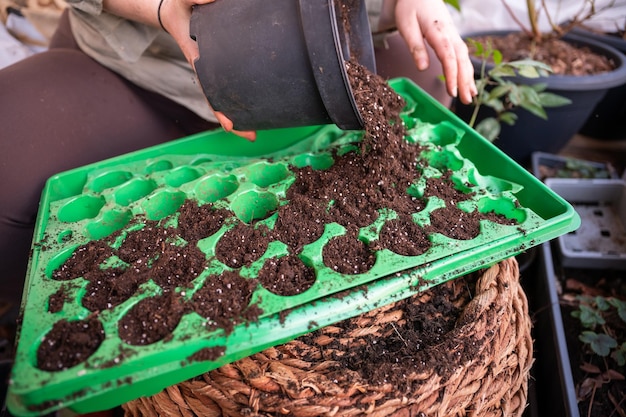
(499, 90)
(579, 84)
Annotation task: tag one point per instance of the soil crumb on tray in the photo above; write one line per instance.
(242, 245)
(69, 343)
(151, 319)
(348, 255)
(287, 275)
(224, 299)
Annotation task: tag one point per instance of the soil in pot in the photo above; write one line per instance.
(570, 59)
(563, 57)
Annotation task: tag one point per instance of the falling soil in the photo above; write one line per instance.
(563, 57)
(375, 175)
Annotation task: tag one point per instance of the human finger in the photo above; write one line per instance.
(175, 16)
(227, 125)
(410, 30)
(466, 81)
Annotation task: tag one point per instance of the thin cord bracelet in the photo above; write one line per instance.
(159, 16)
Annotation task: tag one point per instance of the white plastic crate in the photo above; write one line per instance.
(547, 165)
(600, 241)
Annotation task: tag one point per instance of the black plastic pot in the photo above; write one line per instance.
(281, 63)
(554, 382)
(608, 118)
(531, 133)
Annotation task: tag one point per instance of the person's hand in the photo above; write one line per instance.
(175, 17)
(430, 21)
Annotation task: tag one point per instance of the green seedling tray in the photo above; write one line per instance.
(251, 179)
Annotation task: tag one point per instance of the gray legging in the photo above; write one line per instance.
(60, 109)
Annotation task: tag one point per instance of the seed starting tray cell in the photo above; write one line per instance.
(109, 200)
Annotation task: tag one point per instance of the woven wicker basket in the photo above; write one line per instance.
(482, 370)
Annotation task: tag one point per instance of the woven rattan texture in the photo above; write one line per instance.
(485, 369)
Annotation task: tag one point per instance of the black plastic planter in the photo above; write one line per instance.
(556, 393)
(607, 120)
(281, 63)
(531, 133)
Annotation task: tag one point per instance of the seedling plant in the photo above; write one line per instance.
(603, 320)
(499, 90)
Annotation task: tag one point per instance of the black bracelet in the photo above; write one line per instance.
(159, 16)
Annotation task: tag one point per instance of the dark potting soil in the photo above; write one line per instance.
(151, 319)
(424, 338)
(287, 275)
(563, 57)
(69, 343)
(375, 175)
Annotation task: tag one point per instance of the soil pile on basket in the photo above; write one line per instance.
(375, 175)
(461, 348)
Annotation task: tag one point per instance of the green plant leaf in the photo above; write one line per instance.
(495, 104)
(486, 98)
(602, 303)
(516, 95)
(489, 128)
(454, 3)
(524, 95)
(535, 109)
(620, 306)
(528, 72)
(508, 117)
(553, 100)
(502, 71)
(500, 90)
(539, 67)
(619, 355)
(600, 343)
(496, 55)
(590, 317)
(477, 46)
(539, 87)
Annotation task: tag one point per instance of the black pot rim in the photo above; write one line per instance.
(287, 68)
(603, 81)
(608, 39)
(328, 68)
